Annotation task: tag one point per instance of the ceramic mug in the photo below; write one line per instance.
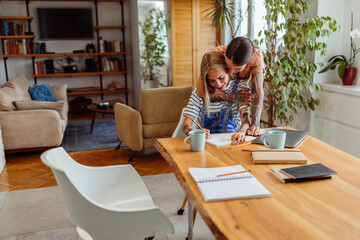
(276, 139)
(197, 140)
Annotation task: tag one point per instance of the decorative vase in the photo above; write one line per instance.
(349, 76)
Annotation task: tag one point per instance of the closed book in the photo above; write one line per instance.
(278, 156)
(308, 171)
(287, 179)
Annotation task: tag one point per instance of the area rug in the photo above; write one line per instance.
(77, 136)
(40, 213)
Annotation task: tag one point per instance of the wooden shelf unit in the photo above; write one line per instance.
(109, 27)
(91, 92)
(63, 54)
(15, 18)
(78, 74)
(98, 55)
(16, 36)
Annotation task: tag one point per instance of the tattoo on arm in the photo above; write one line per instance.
(186, 129)
(245, 120)
(257, 98)
(240, 97)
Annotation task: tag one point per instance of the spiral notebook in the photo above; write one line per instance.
(223, 139)
(214, 188)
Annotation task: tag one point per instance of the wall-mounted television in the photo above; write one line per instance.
(65, 23)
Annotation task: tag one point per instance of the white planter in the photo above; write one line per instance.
(151, 84)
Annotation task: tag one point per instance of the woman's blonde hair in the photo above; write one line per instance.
(210, 61)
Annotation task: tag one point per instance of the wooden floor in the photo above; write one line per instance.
(26, 171)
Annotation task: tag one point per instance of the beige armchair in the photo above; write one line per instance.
(159, 114)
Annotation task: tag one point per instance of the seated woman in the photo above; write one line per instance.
(217, 117)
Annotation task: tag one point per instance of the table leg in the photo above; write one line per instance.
(190, 220)
(92, 122)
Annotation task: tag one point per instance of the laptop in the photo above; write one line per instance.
(293, 137)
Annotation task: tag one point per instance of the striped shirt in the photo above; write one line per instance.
(196, 103)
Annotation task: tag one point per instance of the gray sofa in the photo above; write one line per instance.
(31, 125)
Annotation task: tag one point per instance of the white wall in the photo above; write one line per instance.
(336, 120)
(109, 14)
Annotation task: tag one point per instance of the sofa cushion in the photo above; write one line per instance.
(42, 93)
(60, 92)
(59, 106)
(14, 90)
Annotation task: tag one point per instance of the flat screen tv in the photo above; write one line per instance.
(65, 23)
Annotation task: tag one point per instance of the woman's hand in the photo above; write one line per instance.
(207, 133)
(254, 131)
(237, 138)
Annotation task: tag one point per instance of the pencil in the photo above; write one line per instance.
(226, 174)
(241, 145)
(198, 125)
(301, 142)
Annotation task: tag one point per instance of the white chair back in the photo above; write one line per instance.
(106, 202)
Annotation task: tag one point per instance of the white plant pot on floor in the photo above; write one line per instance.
(151, 84)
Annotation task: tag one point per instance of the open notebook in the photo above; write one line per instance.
(213, 188)
(223, 139)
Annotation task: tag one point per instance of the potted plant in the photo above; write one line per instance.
(288, 73)
(152, 47)
(346, 71)
(225, 12)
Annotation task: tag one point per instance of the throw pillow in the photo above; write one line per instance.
(14, 90)
(42, 93)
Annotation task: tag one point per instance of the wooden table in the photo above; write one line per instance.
(93, 108)
(325, 209)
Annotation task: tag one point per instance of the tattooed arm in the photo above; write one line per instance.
(242, 97)
(239, 137)
(245, 120)
(257, 98)
(186, 127)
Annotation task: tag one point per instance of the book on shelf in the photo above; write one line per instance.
(223, 139)
(278, 156)
(235, 186)
(10, 28)
(111, 46)
(287, 179)
(114, 64)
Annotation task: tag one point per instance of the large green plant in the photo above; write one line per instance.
(224, 12)
(288, 72)
(153, 46)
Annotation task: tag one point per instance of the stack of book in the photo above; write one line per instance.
(112, 64)
(9, 28)
(111, 46)
(302, 173)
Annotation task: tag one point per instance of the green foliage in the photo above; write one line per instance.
(223, 12)
(288, 73)
(153, 46)
(340, 60)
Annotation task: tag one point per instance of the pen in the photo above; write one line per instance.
(198, 125)
(226, 174)
(241, 145)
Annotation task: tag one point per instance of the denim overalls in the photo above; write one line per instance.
(222, 121)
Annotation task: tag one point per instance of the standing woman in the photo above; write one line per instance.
(220, 116)
(246, 61)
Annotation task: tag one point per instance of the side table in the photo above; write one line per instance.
(2, 153)
(93, 108)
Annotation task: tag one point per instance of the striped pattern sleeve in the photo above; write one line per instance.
(194, 105)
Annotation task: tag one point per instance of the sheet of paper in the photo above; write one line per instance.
(223, 139)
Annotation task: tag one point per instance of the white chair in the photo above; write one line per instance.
(106, 202)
